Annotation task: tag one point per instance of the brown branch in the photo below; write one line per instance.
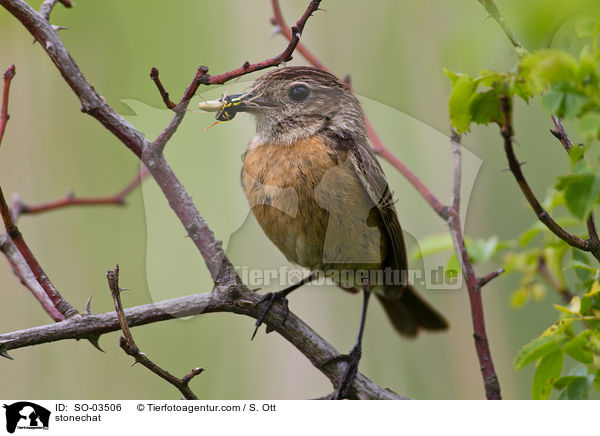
(26, 277)
(545, 272)
(65, 309)
(231, 299)
(128, 344)
(203, 78)
(161, 89)
(119, 199)
(506, 130)
(8, 76)
(560, 134)
(48, 5)
(489, 277)
(474, 284)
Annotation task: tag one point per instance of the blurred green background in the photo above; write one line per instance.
(395, 52)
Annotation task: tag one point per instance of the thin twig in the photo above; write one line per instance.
(65, 309)
(474, 284)
(560, 134)
(161, 89)
(128, 344)
(545, 272)
(203, 78)
(8, 76)
(48, 5)
(26, 277)
(118, 199)
(506, 130)
(494, 12)
(489, 277)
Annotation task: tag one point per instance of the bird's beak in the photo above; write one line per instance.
(227, 106)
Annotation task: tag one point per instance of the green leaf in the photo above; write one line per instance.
(574, 102)
(589, 124)
(453, 267)
(463, 89)
(519, 297)
(531, 233)
(535, 349)
(577, 388)
(578, 349)
(581, 192)
(547, 372)
(545, 67)
(552, 101)
(433, 244)
(485, 108)
(585, 27)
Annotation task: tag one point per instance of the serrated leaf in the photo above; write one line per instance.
(485, 108)
(463, 89)
(535, 349)
(547, 372)
(545, 67)
(581, 192)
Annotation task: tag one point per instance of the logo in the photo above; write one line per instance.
(26, 415)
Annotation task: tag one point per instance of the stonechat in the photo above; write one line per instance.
(320, 195)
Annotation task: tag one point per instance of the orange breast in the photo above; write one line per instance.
(312, 205)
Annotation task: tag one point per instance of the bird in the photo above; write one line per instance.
(320, 195)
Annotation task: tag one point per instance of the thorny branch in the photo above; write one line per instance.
(450, 214)
(231, 299)
(128, 344)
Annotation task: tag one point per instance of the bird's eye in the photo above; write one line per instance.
(299, 93)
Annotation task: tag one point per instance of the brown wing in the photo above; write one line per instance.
(373, 179)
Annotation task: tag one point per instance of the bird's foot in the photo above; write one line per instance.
(352, 359)
(272, 298)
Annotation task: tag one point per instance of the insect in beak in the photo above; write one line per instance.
(226, 107)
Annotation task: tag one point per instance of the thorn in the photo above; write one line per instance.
(3, 352)
(87, 309)
(95, 341)
(487, 17)
(321, 9)
(124, 289)
(57, 28)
